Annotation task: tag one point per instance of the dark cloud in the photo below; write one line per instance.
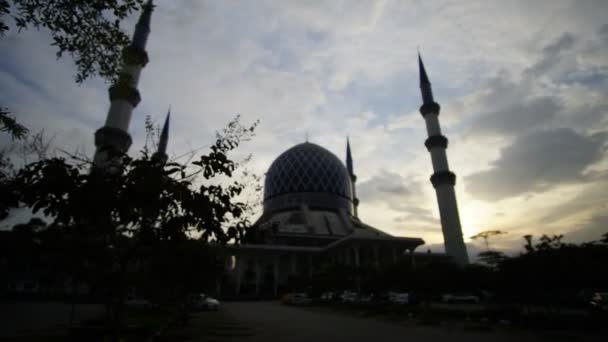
(603, 33)
(512, 105)
(564, 42)
(519, 116)
(418, 215)
(536, 162)
(552, 54)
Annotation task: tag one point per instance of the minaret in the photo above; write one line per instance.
(161, 152)
(443, 179)
(124, 96)
(353, 178)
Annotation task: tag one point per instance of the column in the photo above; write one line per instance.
(257, 276)
(240, 262)
(376, 256)
(293, 264)
(310, 266)
(277, 275)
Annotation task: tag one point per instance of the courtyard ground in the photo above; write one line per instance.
(269, 321)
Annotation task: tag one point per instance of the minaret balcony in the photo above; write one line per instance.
(113, 138)
(430, 108)
(443, 177)
(133, 55)
(436, 141)
(123, 91)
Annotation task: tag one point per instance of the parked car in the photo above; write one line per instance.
(459, 298)
(349, 297)
(138, 303)
(201, 301)
(366, 299)
(299, 298)
(599, 301)
(399, 298)
(327, 297)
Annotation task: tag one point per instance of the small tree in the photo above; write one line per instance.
(486, 235)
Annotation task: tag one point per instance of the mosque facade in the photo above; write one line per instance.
(309, 219)
(310, 207)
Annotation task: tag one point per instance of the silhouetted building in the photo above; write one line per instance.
(309, 219)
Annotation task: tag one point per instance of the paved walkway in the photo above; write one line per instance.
(269, 321)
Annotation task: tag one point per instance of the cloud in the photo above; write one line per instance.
(386, 185)
(537, 162)
(552, 54)
(591, 230)
(418, 215)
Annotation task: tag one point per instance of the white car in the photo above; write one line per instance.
(203, 302)
(452, 298)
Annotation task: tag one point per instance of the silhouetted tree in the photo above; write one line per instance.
(528, 246)
(120, 215)
(604, 238)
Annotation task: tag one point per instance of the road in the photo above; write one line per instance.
(269, 321)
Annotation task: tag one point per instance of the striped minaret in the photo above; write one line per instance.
(114, 136)
(443, 179)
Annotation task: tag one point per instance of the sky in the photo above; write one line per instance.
(522, 87)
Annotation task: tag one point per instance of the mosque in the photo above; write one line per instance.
(310, 208)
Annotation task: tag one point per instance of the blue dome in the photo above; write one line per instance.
(307, 167)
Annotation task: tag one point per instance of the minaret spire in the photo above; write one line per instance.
(142, 28)
(425, 84)
(113, 137)
(161, 152)
(349, 158)
(353, 177)
(443, 179)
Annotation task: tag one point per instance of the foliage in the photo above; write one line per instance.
(9, 125)
(88, 31)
